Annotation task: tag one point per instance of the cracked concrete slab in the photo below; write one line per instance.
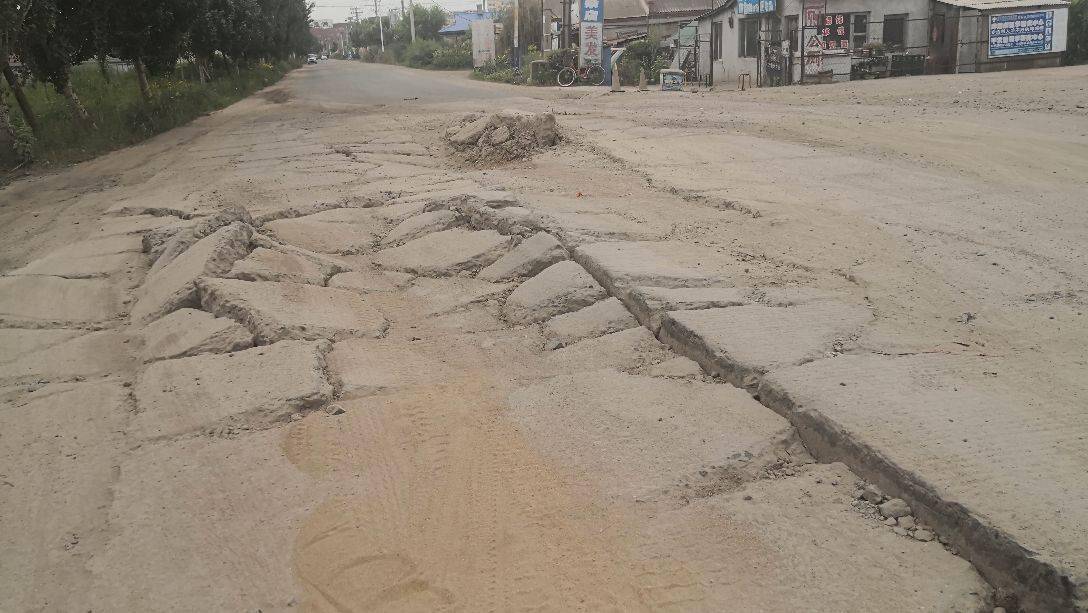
(747, 341)
(529, 258)
(46, 300)
(446, 253)
(270, 265)
(174, 285)
(676, 367)
(281, 311)
(323, 236)
(444, 295)
(100, 353)
(369, 280)
(604, 317)
(560, 288)
(622, 265)
(632, 350)
(419, 225)
(955, 436)
(188, 332)
(650, 304)
(252, 388)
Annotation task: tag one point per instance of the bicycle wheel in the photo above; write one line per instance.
(565, 77)
(594, 75)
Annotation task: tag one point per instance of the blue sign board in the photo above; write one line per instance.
(1021, 33)
(751, 7)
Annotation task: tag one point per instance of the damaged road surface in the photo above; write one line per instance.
(324, 356)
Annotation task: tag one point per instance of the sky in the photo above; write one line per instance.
(340, 10)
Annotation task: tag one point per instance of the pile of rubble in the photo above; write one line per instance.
(502, 137)
(894, 512)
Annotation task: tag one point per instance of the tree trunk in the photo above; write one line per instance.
(141, 79)
(104, 68)
(77, 107)
(20, 97)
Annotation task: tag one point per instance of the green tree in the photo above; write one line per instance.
(54, 38)
(1076, 51)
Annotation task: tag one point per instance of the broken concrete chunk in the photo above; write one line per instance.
(188, 332)
(895, 507)
(174, 286)
(256, 387)
(753, 339)
(280, 311)
(269, 265)
(447, 253)
(93, 353)
(676, 367)
(367, 280)
(598, 319)
(533, 255)
(324, 236)
(424, 223)
(471, 132)
(650, 304)
(437, 296)
(187, 236)
(39, 299)
(560, 288)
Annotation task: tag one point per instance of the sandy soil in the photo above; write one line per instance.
(471, 468)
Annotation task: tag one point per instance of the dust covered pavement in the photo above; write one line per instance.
(388, 383)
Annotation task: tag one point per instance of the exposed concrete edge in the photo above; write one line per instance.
(351, 202)
(1005, 563)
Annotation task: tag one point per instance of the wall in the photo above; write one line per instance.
(974, 31)
(730, 66)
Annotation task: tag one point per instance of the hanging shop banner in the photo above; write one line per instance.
(1027, 33)
(751, 7)
(834, 31)
(812, 11)
(591, 30)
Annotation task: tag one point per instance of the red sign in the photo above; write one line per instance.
(834, 30)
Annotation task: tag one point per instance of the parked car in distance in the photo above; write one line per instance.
(311, 59)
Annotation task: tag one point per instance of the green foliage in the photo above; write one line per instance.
(420, 54)
(122, 118)
(1076, 51)
(456, 55)
(498, 70)
(645, 55)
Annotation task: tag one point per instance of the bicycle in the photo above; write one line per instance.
(592, 74)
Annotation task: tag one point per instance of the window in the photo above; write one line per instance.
(895, 32)
(860, 30)
(749, 38)
(716, 40)
(791, 32)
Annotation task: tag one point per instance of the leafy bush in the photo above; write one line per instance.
(454, 56)
(1076, 51)
(420, 53)
(645, 55)
(499, 70)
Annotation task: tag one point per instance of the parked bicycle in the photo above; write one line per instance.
(590, 74)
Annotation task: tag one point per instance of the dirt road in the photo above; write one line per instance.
(302, 355)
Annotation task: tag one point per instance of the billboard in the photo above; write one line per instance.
(591, 30)
(1027, 33)
(751, 7)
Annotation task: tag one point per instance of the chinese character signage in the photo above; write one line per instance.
(592, 32)
(834, 31)
(751, 7)
(1025, 33)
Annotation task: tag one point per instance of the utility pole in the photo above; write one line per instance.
(517, 49)
(412, 19)
(381, 31)
(543, 26)
(564, 36)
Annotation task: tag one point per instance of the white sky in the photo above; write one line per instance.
(340, 10)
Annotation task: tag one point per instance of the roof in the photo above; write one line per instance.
(462, 21)
(989, 5)
(721, 6)
(621, 9)
(680, 7)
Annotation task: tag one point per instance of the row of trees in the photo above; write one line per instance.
(429, 21)
(50, 37)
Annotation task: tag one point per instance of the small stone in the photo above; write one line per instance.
(907, 522)
(901, 531)
(334, 409)
(500, 135)
(890, 521)
(895, 507)
(923, 535)
(747, 497)
(872, 494)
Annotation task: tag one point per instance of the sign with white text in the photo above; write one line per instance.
(592, 32)
(752, 7)
(1027, 33)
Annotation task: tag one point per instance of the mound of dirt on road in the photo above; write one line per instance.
(503, 137)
